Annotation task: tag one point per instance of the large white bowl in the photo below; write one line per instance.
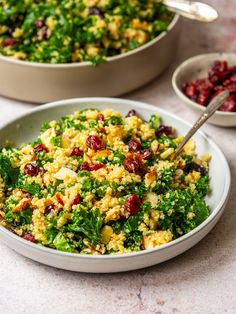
(196, 68)
(42, 82)
(26, 128)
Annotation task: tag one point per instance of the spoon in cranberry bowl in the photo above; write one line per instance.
(193, 10)
(215, 103)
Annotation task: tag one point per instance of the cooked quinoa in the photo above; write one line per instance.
(53, 31)
(95, 182)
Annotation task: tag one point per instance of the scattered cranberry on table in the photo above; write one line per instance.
(220, 77)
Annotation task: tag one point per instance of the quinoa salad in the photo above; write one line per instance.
(53, 31)
(95, 182)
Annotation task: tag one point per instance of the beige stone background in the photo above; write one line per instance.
(202, 280)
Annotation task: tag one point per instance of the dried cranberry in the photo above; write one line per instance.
(96, 166)
(49, 208)
(203, 98)
(31, 170)
(232, 69)
(131, 113)
(142, 247)
(94, 142)
(231, 88)
(85, 166)
(233, 78)
(39, 24)
(146, 153)
(196, 167)
(10, 31)
(40, 147)
(229, 105)
(102, 130)
(218, 71)
(9, 42)
(29, 237)
(100, 117)
(96, 11)
(134, 145)
(135, 165)
(190, 90)
(76, 200)
(133, 204)
(77, 152)
(164, 129)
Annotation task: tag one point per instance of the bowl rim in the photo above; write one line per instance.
(150, 43)
(140, 106)
(192, 60)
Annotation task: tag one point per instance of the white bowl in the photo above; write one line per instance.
(29, 125)
(42, 82)
(196, 68)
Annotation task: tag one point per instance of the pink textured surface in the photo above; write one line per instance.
(203, 280)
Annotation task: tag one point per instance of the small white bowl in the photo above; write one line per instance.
(196, 68)
(219, 172)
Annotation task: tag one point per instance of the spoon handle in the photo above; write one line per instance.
(210, 109)
(192, 9)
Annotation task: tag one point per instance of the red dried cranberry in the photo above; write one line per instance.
(231, 88)
(9, 42)
(218, 71)
(39, 24)
(96, 11)
(196, 167)
(133, 204)
(100, 117)
(85, 166)
(164, 129)
(77, 152)
(31, 170)
(102, 130)
(76, 200)
(134, 145)
(96, 166)
(135, 165)
(131, 113)
(94, 142)
(146, 153)
(29, 237)
(203, 98)
(232, 69)
(190, 90)
(233, 78)
(49, 208)
(10, 31)
(40, 147)
(229, 105)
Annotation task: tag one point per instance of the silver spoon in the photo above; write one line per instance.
(193, 10)
(210, 109)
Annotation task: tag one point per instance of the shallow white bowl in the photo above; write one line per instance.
(26, 128)
(196, 68)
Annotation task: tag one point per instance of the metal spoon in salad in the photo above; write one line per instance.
(193, 10)
(210, 109)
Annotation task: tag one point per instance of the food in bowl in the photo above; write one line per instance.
(95, 182)
(78, 30)
(220, 77)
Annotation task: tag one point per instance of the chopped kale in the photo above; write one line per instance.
(88, 223)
